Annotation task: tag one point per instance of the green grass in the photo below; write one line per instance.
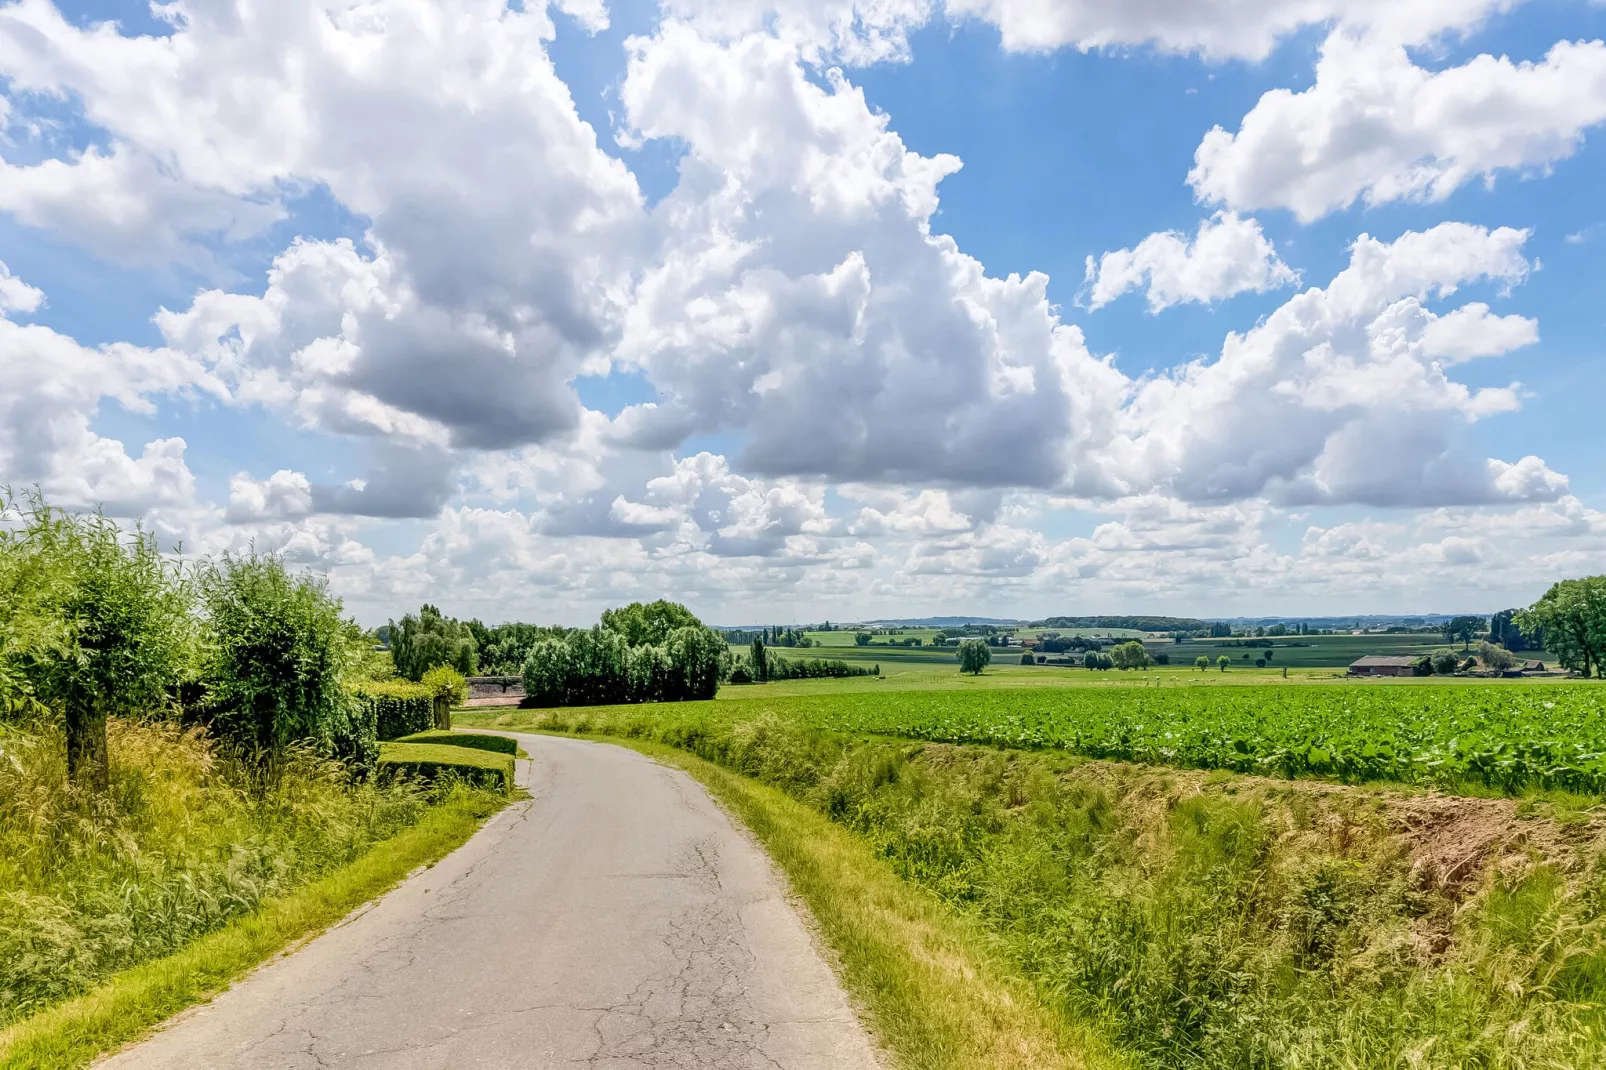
(180, 845)
(1203, 921)
(472, 740)
(430, 761)
(77, 1031)
(936, 995)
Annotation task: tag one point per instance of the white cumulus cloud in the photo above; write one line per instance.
(1227, 256)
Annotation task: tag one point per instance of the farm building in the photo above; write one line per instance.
(1383, 665)
(1533, 666)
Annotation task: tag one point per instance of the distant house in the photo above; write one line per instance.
(1533, 666)
(1384, 665)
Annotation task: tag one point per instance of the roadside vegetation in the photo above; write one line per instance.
(1211, 919)
(181, 745)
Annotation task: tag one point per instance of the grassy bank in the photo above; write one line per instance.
(73, 1033)
(935, 991)
(1212, 920)
(106, 888)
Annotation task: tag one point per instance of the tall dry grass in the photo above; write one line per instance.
(90, 885)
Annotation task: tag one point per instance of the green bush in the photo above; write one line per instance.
(431, 761)
(471, 740)
(276, 651)
(399, 708)
(446, 682)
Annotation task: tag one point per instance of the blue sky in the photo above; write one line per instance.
(527, 312)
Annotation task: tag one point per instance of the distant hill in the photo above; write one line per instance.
(1137, 624)
(944, 622)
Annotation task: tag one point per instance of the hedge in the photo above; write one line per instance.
(474, 741)
(400, 708)
(356, 740)
(426, 761)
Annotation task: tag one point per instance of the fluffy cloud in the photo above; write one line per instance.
(866, 31)
(501, 235)
(51, 390)
(1227, 256)
(1376, 126)
(804, 301)
(16, 295)
(1337, 395)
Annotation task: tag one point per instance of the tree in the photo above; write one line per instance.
(649, 622)
(758, 662)
(1496, 657)
(974, 656)
(1503, 630)
(274, 658)
(1446, 663)
(120, 637)
(1268, 655)
(1130, 656)
(1222, 662)
(1572, 617)
(1201, 663)
(861, 638)
(420, 643)
(1028, 659)
(1463, 629)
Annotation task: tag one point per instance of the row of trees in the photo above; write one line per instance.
(761, 666)
(96, 622)
(657, 652)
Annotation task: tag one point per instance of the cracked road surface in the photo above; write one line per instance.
(615, 920)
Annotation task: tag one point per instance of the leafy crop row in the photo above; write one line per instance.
(1505, 736)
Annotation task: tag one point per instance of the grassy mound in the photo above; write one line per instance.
(474, 741)
(430, 761)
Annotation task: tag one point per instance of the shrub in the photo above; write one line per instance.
(1028, 659)
(274, 658)
(399, 708)
(1446, 663)
(471, 740)
(434, 762)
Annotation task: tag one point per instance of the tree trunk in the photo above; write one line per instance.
(87, 764)
(443, 712)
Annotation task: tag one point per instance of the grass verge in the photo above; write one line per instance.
(935, 996)
(427, 761)
(73, 1033)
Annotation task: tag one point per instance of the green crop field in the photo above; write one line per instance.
(1506, 736)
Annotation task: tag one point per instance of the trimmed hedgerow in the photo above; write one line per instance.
(474, 741)
(400, 708)
(431, 761)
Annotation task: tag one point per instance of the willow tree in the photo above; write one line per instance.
(112, 629)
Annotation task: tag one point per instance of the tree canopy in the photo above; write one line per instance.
(420, 643)
(974, 656)
(1572, 615)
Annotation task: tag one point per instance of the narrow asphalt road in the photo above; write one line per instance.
(615, 920)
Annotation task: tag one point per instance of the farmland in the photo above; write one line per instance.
(1462, 735)
(1297, 652)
